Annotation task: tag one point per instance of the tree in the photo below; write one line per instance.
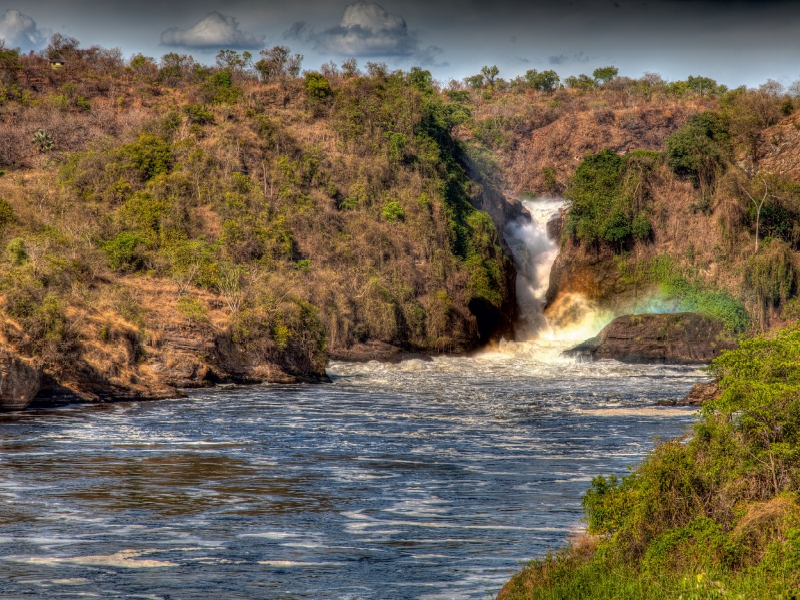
(9, 58)
(233, 61)
(700, 149)
(701, 85)
(759, 204)
(175, 67)
(474, 81)
(546, 81)
(604, 74)
(350, 67)
(317, 87)
(61, 45)
(490, 73)
(277, 63)
(581, 82)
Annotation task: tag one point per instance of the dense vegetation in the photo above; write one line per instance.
(714, 515)
(300, 212)
(320, 209)
(613, 202)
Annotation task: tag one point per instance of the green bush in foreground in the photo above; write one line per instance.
(716, 515)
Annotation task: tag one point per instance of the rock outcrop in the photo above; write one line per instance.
(165, 352)
(700, 394)
(591, 272)
(674, 338)
(20, 381)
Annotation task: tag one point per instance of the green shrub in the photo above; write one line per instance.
(6, 213)
(772, 274)
(317, 87)
(149, 156)
(608, 197)
(126, 252)
(694, 297)
(546, 81)
(700, 149)
(393, 211)
(17, 252)
(219, 88)
(549, 181)
(198, 114)
(193, 309)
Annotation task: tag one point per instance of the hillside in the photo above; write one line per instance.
(179, 225)
(664, 183)
(169, 224)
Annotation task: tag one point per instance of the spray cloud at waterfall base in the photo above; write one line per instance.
(571, 317)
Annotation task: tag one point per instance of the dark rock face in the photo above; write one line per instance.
(674, 338)
(20, 381)
(486, 196)
(555, 226)
(591, 272)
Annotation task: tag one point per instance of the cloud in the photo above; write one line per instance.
(368, 30)
(20, 31)
(427, 57)
(213, 31)
(299, 31)
(562, 59)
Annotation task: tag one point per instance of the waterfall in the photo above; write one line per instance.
(572, 318)
(534, 253)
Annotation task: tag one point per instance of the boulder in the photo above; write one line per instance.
(673, 338)
(20, 381)
(700, 394)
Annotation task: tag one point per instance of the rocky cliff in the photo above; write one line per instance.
(673, 338)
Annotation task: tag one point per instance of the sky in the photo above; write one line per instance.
(736, 42)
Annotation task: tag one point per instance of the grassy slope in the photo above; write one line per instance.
(290, 216)
(716, 515)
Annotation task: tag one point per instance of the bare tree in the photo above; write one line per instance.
(759, 204)
(231, 285)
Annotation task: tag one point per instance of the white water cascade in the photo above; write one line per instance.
(534, 254)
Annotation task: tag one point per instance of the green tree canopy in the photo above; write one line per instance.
(603, 74)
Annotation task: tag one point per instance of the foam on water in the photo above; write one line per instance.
(433, 479)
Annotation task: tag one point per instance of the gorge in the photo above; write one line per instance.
(224, 238)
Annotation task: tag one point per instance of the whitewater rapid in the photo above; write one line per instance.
(425, 480)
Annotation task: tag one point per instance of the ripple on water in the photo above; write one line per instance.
(419, 480)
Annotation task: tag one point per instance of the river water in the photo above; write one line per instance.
(418, 480)
(424, 480)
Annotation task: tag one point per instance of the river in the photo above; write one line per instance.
(418, 480)
(424, 480)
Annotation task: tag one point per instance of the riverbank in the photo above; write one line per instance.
(716, 514)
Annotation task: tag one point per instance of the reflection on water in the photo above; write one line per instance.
(418, 480)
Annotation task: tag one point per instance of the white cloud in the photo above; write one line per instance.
(20, 31)
(368, 30)
(215, 31)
